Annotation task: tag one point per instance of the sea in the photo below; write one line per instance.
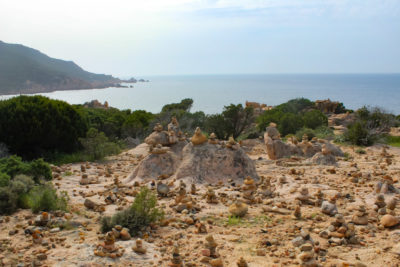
(212, 92)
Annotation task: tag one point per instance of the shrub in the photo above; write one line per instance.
(97, 145)
(185, 105)
(340, 109)
(309, 132)
(370, 125)
(296, 105)
(33, 125)
(8, 203)
(360, 151)
(141, 214)
(4, 179)
(233, 121)
(290, 123)
(14, 165)
(45, 198)
(315, 118)
(357, 134)
(393, 140)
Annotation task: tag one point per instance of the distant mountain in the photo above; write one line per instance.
(26, 70)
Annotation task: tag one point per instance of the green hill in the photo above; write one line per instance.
(26, 70)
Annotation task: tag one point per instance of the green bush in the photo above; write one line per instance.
(8, 202)
(97, 145)
(309, 132)
(141, 214)
(30, 126)
(360, 151)
(296, 105)
(393, 140)
(45, 198)
(4, 179)
(185, 105)
(314, 119)
(290, 116)
(38, 169)
(290, 123)
(371, 124)
(233, 121)
(340, 109)
(357, 134)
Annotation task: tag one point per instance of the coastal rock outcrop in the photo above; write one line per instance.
(214, 163)
(321, 151)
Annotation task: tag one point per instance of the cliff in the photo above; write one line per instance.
(26, 70)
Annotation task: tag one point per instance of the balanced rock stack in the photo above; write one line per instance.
(340, 232)
(361, 216)
(108, 247)
(176, 260)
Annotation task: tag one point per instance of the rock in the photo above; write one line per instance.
(322, 159)
(124, 234)
(157, 137)
(238, 209)
(329, 208)
(55, 230)
(389, 220)
(162, 189)
(213, 164)
(90, 204)
(241, 263)
(198, 138)
(216, 262)
(298, 241)
(155, 165)
(41, 256)
(138, 247)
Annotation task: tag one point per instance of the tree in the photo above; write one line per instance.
(290, 123)
(233, 120)
(185, 105)
(32, 126)
(97, 145)
(314, 118)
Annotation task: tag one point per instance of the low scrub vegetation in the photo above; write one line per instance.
(141, 214)
(292, 116)
(370, 125)
(24, 185)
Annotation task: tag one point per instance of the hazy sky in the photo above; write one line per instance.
(151, 37)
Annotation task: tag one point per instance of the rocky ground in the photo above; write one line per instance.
(268, 235)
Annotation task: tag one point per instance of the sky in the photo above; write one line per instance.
(173, 37)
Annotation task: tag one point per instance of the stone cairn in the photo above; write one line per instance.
(238, 209)
(303, 196)
(176, 260)
(210, 253)
(241, 263)
(108, 247)
(210, 196)
(380, 204)
(198, 138)
(138, 247)
(361, 216)
(249, 189)
(340, 232)
(213, 139)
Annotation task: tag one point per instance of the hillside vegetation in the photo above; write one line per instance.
(26, 70)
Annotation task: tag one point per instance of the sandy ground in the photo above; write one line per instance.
(259, 232)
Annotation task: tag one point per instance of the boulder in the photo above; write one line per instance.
(154, 165)
(322, 159)
(389, 220)
(213, 163)
(157, 137)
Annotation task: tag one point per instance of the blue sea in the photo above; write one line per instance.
(212, 92)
